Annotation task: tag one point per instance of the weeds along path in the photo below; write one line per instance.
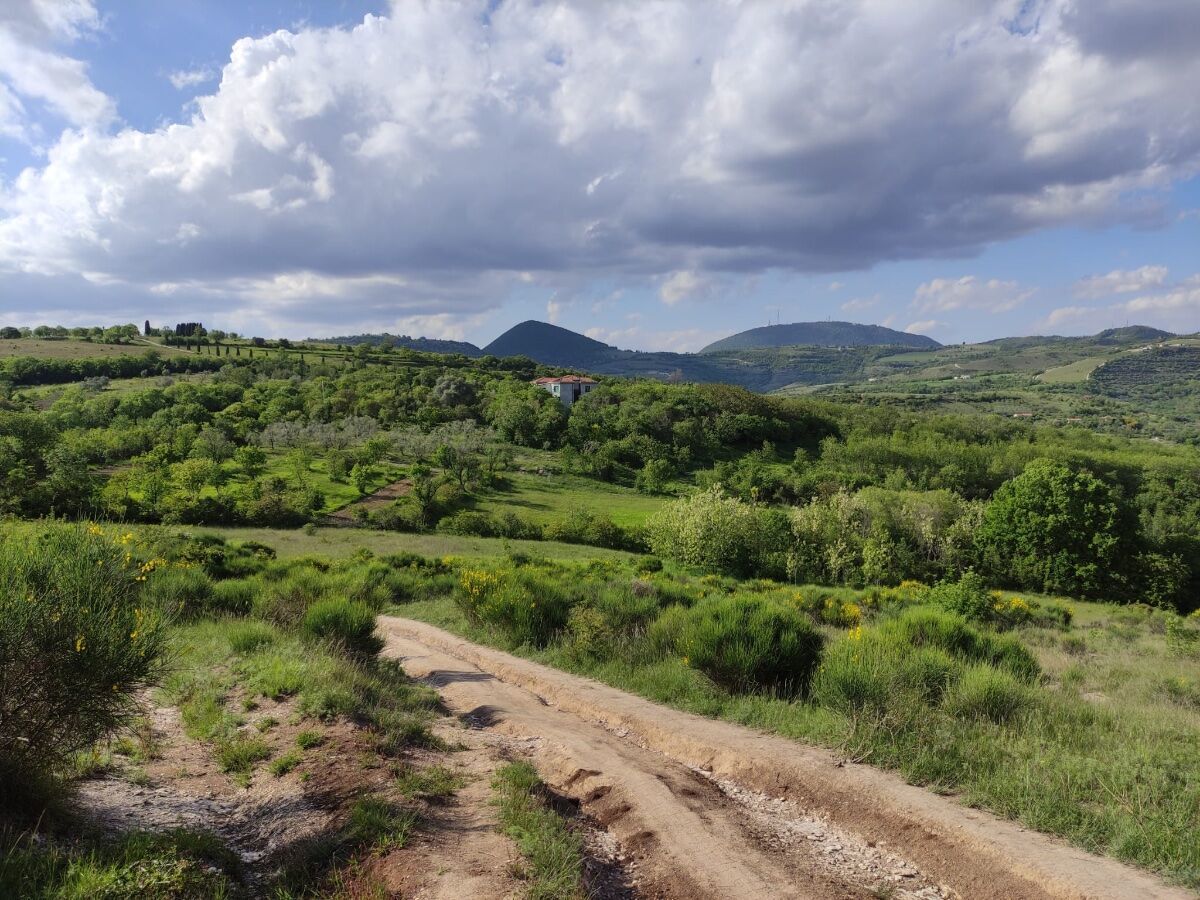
(711, 809)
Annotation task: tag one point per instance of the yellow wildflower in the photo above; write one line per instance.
(80, 644)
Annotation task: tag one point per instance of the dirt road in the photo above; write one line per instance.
(707, 809)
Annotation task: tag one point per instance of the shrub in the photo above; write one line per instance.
(346, 622)
(526, 608)
(183, 591)
(77, 643)
(968, 597)
(468, 524)
(246, 637)
(235, 596)
(743, 643)
(924, 627)
(285, 600)
(856, 674)
(984, 692)
(722, 534)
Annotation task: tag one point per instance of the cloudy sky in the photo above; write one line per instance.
(656, 174)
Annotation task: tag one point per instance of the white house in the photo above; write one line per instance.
(567, 388)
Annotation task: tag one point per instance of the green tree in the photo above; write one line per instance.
(252, 460)
(1059, 531)
(362, 476)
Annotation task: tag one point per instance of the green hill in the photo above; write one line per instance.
(821, 334)
(550, 345)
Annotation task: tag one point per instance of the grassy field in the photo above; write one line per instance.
(342, 543)
(76, 349)
(551, 497)
(1072, 373)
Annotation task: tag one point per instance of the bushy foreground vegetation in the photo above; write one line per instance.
(1028, 706)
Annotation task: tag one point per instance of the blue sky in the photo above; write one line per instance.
(652, 175)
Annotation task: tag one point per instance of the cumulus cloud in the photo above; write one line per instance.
(1120, 281)
(682, 340)
(186, 78)
(35, 74)
(1071, 315)
(969, 292)
(458, 147)
(1180, 298)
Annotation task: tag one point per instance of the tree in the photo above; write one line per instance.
(425, 487)
(1054, 530)
(252, 460)
(362, 476)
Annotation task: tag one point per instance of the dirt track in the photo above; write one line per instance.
(708, 809)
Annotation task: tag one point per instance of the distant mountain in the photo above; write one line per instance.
(1132, 333)
(550, 345)
(821, 334)
(424, 344)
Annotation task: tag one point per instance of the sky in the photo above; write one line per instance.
(656, 174)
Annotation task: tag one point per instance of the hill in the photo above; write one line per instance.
(821, 334)
(550, 345)
(423, 344)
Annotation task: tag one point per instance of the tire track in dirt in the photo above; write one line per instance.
(692, 798)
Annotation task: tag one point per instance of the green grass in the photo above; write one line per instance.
(1073, 373)
(325, 685)
(1104, 751)
(72, 348)
(379, 825)
(179, 863)
(239, 754)
(308, 739)
(281, 765)
(548, 498)
(431, 783)
(553, 853)
(342, 543)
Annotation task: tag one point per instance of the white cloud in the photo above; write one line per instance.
(836, 285)
(969, 292)
(665, 144)
(684, 285)
(33, 69)
(683, 340)
(1120, 281)
(1181, 298)
(923, 326)
(1066, 315)
(186, 78)
(861, 304)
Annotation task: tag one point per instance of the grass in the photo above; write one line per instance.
(553, 853)
(548, 498)
(76, 349)
(1073, 373)
(179, 863)
(210, 675)
(281, 765)
(1104, 750)
(431, 783)
(308, 739)
(343, 543)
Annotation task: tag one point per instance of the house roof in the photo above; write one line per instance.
(566, 379)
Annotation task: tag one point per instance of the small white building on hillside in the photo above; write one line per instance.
(567, 388)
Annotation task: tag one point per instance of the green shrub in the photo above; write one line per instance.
(968, 597)
(925, 627)
(379, 824)
(77, 643)
(246, 637)
(234, 596)
(183, 592)
(468, 524)
(285, 599)
(525, 607)
(742, 643)
(984, 692)
(856, 674)
(348, 623)
(722, 534)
